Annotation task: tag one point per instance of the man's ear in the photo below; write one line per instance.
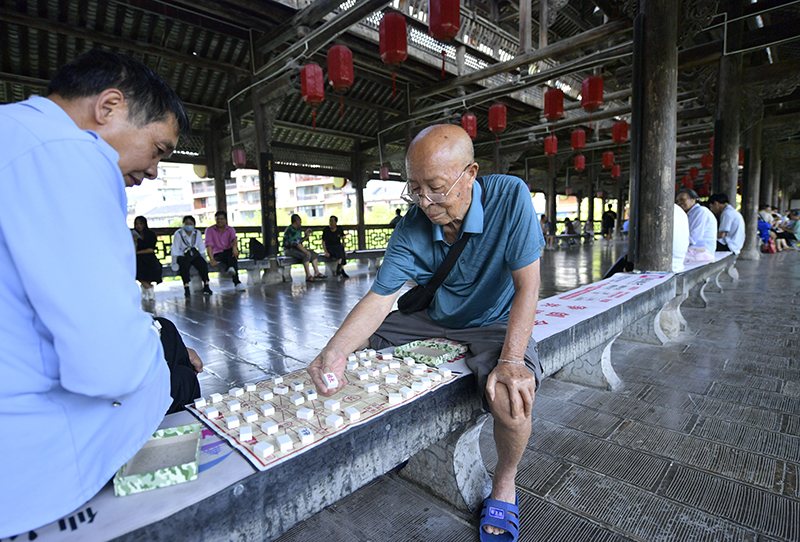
(109, 106)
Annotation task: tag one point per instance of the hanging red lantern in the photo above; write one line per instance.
(444, 21)
(578, 139)
(568, 191)
(592, 93)
(687, 182)
(384, 173)
(469, 123)
(393, 42)
(580, 162)
(707, 161)
(340, 71)
(741, 157)
(616, 171)
(600, 194)
(707, 178)
(238, 157)
(497, 118)
(619, 132)
(703, 191)
(608, 159)
(553, 104)
(551, 145)
(312, 87)
(694, 172)
(711, 147)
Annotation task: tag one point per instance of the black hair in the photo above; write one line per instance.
(720, 197)
(335, 218)
(223, 213)
(189, 217)
(144, 221)
(149, 97)
(764, 207)
(294, 217)
(688, 191)
(397, 211)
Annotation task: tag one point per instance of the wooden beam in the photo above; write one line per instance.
(287, 30)
(569, 45)
(116, 42)
(770, 72)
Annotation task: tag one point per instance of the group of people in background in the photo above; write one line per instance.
(778, 232)
(190, 248)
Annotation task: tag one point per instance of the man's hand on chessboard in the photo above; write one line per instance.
(330, 360)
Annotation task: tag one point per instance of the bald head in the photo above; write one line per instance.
(442, 143)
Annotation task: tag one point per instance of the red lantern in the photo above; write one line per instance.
(469, 123)
(497, 118)
(312, 87)
(619, 133)
(580, 162)
(707, 161)
(553, 104)
(578, 139)
(694, 172)
(707, 178)
(238, 157)
(551, 145)
(703, 191)
(393, 42)
(444, 21)
(600, 194)
(340, 71)
(711, 147)
(608, 159)
(592, 93)
(687, 182)
(741, 157)
(568, 191)
(384, 173)
(616, 171)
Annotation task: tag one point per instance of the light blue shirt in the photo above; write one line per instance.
(731, 221)
(479, 289)
(74, 339)
(702, 228)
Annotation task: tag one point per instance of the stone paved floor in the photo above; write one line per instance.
(702, 444)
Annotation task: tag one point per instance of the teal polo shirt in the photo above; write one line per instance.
(479, 289)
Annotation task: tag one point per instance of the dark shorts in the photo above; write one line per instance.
(484, 343)
(298, 254)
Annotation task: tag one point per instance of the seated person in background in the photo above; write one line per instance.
(680, 238)
(702, 227)
(187, 252)
(487, 301)
(625, 226)
(397, 218)
(84, 378)
(569, 229)
(765, 213)
(293, 240)
(588, 231)
(148, 268)
(787, 235)
(222, 248)
(333, 245)
(731, 230)
(547, 231)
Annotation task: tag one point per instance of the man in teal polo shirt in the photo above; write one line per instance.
(487, 302)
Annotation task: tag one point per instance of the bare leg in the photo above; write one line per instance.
(316, 266)
(147, 285)
(510, 438)
(308, 272)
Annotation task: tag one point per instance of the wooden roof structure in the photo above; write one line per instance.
(221, 56)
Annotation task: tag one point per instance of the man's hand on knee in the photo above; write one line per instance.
(520, 390)
(194, 359)
(330, 360)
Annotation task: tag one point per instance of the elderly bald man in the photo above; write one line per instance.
(487, 301)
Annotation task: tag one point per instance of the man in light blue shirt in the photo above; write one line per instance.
(731, 230)
(83, 377)
(487, 301)
(702, 224)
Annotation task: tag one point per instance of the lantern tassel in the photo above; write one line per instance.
(341, 105)
(394, 88)
(314, 114)
(443, 57)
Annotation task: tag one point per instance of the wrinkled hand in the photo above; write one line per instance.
(330, 360)
(194, 359)
(521, 386)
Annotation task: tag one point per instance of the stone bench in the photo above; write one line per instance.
(587, 237)
(254, 268)
(372, 257)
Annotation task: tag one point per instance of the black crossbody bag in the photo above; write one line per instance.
(420, 297)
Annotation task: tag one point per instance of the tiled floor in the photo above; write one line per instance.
(702, 443)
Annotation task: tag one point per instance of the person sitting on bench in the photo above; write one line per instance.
(332, 244)
(222, 248)
(487, 301)
(293, 240)
(187, 252)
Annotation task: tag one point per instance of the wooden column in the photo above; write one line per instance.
(767, 175)
(543, 15)
(264, 116)
(525, 41)
(551, 196)
(216, 165)
(359, 179)
(656, 113)
(751, 187)
(729, 100)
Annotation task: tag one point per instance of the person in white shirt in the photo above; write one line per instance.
(702, 224)
(680, 238)
(730, 233)
(187, 252)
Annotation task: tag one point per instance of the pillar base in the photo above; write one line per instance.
(452, 469)
(647, 329)
(272, 274)
(593, 369)
(750, 254)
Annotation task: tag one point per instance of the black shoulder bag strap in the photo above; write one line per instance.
(421, 296)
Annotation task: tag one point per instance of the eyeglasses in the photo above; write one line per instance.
(433, 197)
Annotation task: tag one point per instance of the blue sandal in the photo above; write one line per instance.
(502, 515)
